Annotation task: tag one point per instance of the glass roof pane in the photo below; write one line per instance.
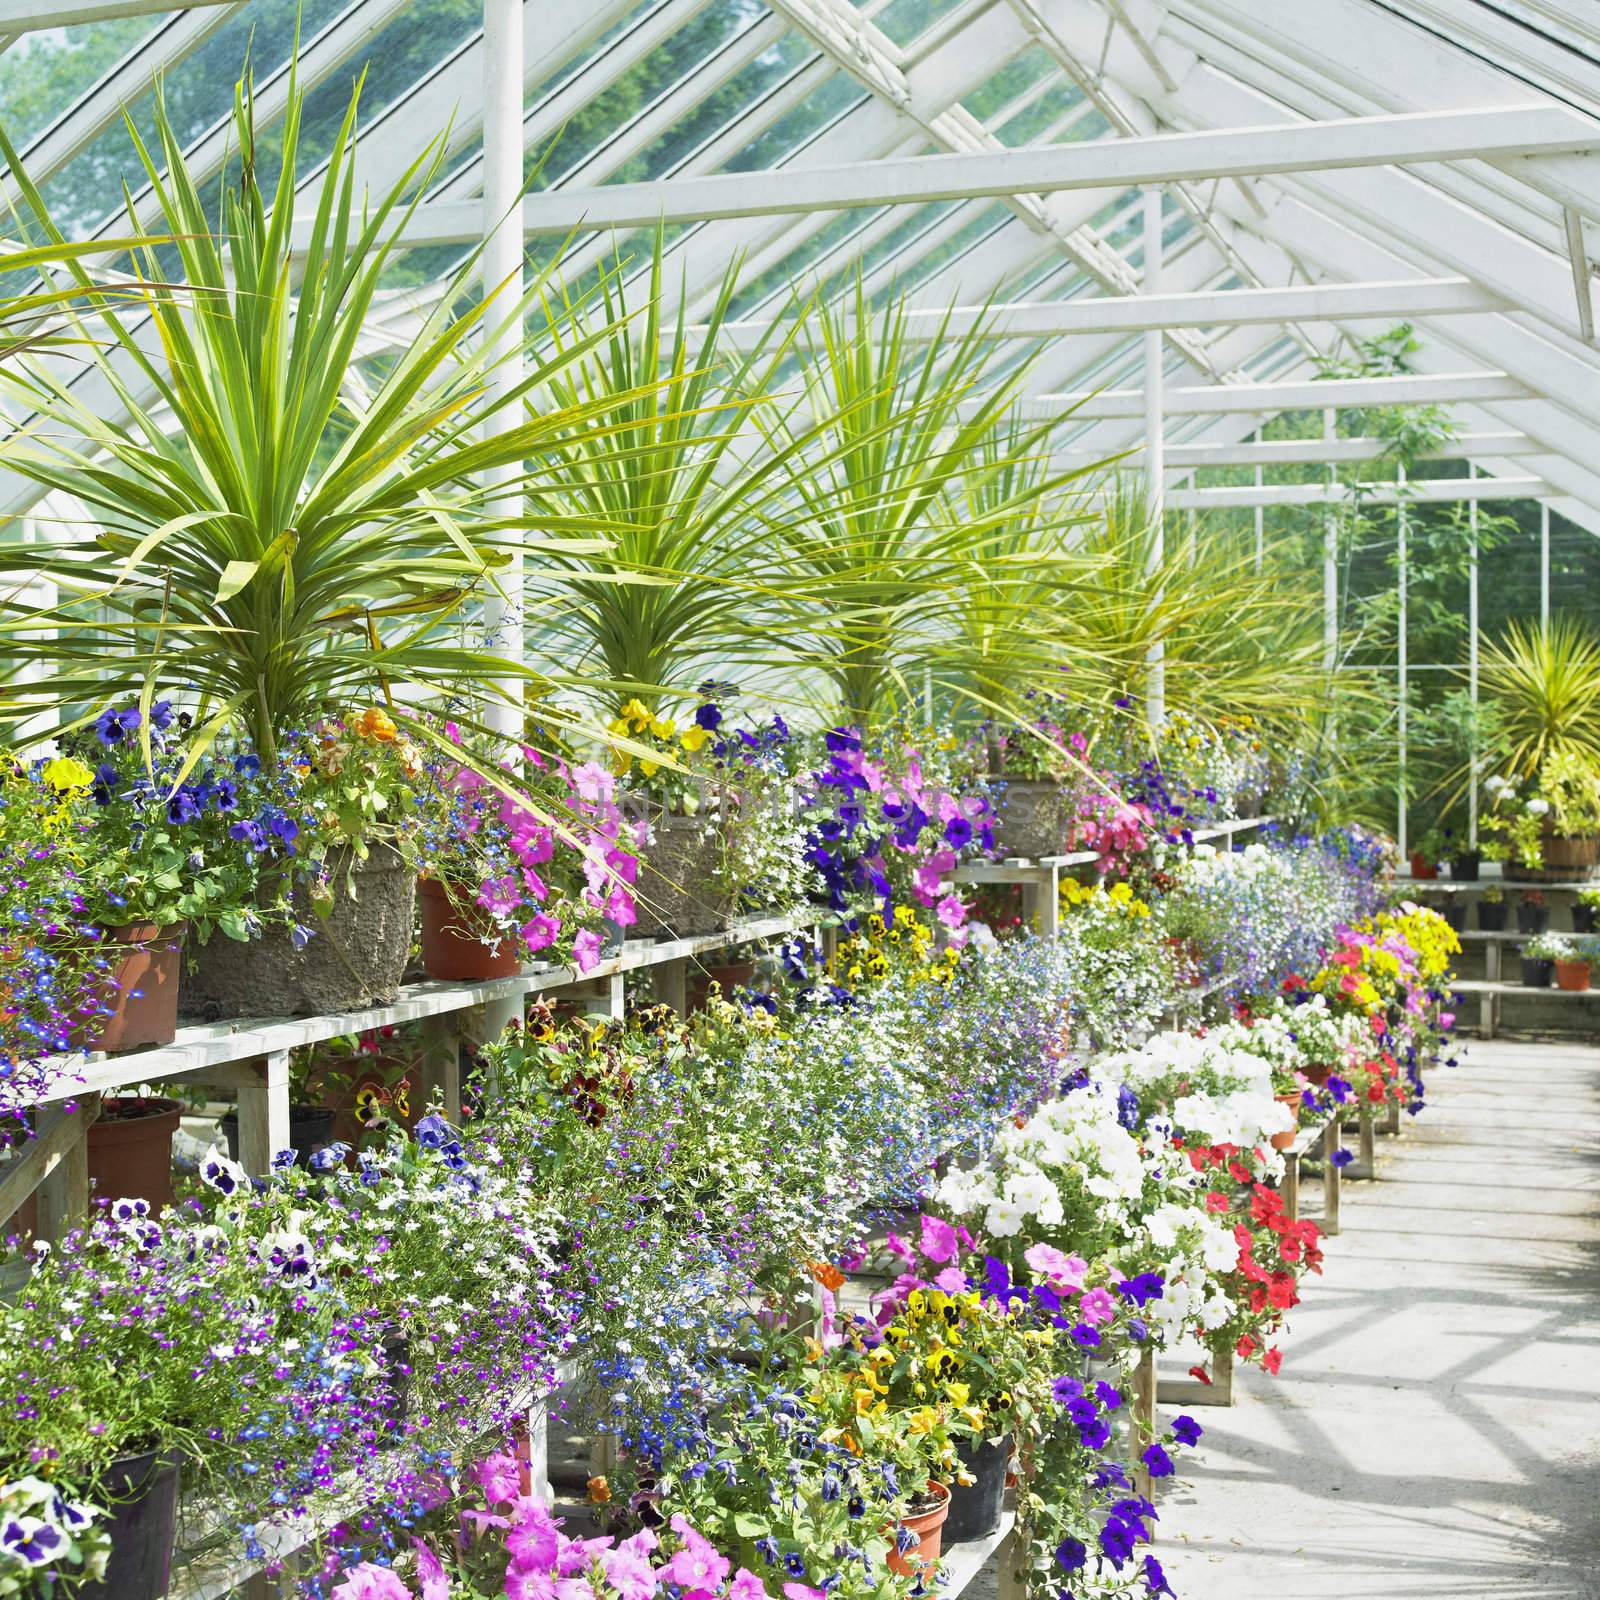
(1058, 100)
(906, 20)
(840, 94)
(778, 278)
(655, 74)
(732, 99)
(1011, 81)
(45, 72)
(199, 93)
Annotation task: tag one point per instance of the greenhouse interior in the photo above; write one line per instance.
(802, 799)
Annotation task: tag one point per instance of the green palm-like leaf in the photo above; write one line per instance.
(265, 537)
(1545, 682)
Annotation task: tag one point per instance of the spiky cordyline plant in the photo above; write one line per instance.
(269, 541)
(686, 484)
(1545, 682)
(872, 556)
(1235, 641)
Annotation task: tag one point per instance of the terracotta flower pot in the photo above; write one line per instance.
(1572, 975)
(140, 991)
(928, 1526)
(1422, 869)
(1283, 1141)
(130, 1150)
(453, 944)
(1317, 1075)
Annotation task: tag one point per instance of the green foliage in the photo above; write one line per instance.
(1546, 682)
(295, 544)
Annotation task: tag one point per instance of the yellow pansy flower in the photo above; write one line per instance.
(64, 773)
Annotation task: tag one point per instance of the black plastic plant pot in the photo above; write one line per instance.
(143, 1524)
(1532, 919)
(1464, 867)
(1492, 916)
(1582, 918)
(1536, 974)
(975, 1507)
(1455, 913)
(310, 1130)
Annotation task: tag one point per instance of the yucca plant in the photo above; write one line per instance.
(266, 535)
(1235, 641)
(684, 482)
(872, 558)
(1545, 684)
(1004, 635)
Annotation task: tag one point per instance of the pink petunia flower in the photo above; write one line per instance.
(500, 1477)
(586, 950)
(540, 931)
(1097, 1306)
(938, 1239)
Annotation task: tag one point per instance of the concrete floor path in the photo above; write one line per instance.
(1436, 1427)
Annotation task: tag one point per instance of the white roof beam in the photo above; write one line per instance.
(1104, 164)
(1319, 302)
(22, 16)
(1185, 458)
(1428, 491)
(69, 134)
(1268, 399)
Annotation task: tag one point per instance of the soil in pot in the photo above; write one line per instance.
(1532, 919)
(975, 1507)
(1492, 916)
(677, 893)
(355, 957)
(130, 1149)
(140, 992)
(310, 1130)
(456, 943)
(143, 1523)
(1536, 974)
(1573, 975)
(926, 1520)
(1031, 819)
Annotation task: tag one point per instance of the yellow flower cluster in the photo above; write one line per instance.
(871, 954)
(1431, 938)
(1119, 899)
(636, 720)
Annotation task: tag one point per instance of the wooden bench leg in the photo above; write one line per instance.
(1369, 1143)
(1330, 1178)
(1291, 1185)
(671, 980)
(1144, 1420)
(264, 1112)
(63, 1194)
(440, 1067)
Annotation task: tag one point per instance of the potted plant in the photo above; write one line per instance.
(160, 862)
(1583, 910)
(1454, 911)
(543, 870)
(1461, 856)
(1426, 854)
(130, 1149)
(1539, 956)
(1572, 968)
(1569, 786)
(1032, 802)
(1515, 821)
(1533, 914)
(283, 597)
(1492, 909)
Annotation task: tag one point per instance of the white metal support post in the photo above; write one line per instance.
(1544, 563)
(503, 276)
(1330, 567)
(1261, 516)
(1154, 465)
(1401, 673)
(1472, 651)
